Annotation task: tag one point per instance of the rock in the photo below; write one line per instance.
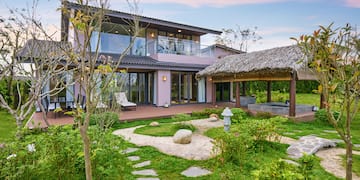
(2, 145)
(291, 162)
(142, 164)
(145, 172)
(11, 156)
(182, 136)
(133, 158)
(213, 119)
(308, 145)
(214, 116)
(195, 172)
(154, 124)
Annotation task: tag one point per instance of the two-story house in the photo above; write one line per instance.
(162, 63)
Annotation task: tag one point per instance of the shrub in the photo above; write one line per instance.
(277, 170)
(59, 154)
(322, 118)
(184, 126)
(234, 147)
(104, 120)
(238, 114)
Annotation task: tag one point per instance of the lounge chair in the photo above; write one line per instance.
(122, 100)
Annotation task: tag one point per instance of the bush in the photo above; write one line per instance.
(278, 170)
(104, 120)
(184, 126)
(234, 147)
(322, 118)
(59, 154)
(238, 114)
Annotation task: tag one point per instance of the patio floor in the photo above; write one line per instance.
(141, 112)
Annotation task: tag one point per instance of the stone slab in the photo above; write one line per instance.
(142, 164)
(145, 172)
(130, 150)
(330, 131)
(308, 145)
(133, 158)
(195, 172)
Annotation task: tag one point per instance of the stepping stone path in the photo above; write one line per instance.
(308, 145)
(143, 172)
(330, 131)
(195, 172)
(143, 164)
(133, 158)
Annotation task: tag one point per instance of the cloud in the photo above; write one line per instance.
(214, 3)
(352, 3)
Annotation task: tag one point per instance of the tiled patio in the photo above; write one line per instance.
(141, 112)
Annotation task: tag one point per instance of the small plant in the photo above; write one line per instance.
(104, 120)
(278, 170)
(307, 163)
(322, 118)
(184, 126)
(238, 114)
(264, 115)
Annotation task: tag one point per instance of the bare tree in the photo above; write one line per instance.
(334, 56)
(91, 65)
(24, 57)
(238, 38)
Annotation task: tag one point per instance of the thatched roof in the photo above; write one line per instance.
(263, 63)
(40, 49)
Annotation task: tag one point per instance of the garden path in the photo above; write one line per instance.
(200, 147)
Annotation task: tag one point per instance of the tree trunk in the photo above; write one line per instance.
(348, 140)
(86, 143)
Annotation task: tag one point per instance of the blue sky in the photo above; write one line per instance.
(277, 20)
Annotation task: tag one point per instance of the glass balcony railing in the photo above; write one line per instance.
(178, 46)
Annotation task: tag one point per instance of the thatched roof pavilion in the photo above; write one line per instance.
(278, 64)
(272, 64)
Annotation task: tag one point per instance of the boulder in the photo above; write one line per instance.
(182, 136)
(154, 124)
(213, 116)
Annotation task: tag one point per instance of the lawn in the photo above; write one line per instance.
(164, 129)
(8, 126)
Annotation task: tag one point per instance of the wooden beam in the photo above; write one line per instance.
(237, 104)
(268, 91)
(241, 79)
(213, 94)
(244, 88)
(292, 109)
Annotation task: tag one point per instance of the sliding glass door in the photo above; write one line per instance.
(184, 88)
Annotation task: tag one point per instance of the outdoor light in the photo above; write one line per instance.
(152, 35)
(179, 30)
(164, 78)
(227, 118)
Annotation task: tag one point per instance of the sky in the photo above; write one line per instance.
(276, 20)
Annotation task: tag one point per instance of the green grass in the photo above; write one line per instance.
(355, 164)
(164, 129)
(7, 126)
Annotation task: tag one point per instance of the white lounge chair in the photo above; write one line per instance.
(122, 100)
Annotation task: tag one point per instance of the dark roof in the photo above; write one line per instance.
(44, 49)
(146, 62)
(40, 49)
(150, 21)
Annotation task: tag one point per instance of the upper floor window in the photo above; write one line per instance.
(115, 38)
(177, 43)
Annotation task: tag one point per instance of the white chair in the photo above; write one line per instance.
(122, 100)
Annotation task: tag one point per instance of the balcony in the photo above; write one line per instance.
(175, 46)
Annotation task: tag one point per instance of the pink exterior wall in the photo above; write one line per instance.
(209, 86)
(183, 59)
(163, 88)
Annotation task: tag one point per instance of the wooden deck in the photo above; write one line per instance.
(142, 112)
